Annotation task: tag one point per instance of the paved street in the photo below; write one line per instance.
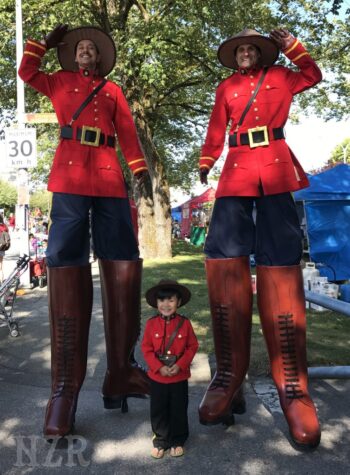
(109, 442)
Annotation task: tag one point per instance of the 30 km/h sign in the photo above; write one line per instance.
(21, 147)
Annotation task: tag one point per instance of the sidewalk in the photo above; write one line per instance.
(109, 442)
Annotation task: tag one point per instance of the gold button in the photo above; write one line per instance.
(157, 335)
(180, 336)
(70, 162)
(257, 118)
(235, 94)
(76, 90)
(169, 352)
(254, 100)
(267, 87)
(256, 109)
(252, 92)
(251, 76)
(277, 159)
(96, 118)
(93, 82)
(95, 110)
(107, 94)
(109, 167)
(252, 84)
(235, 165)
(95, 103)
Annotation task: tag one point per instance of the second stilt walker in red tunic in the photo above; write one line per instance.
(260, 171)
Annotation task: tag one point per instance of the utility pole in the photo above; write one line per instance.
(22, 207)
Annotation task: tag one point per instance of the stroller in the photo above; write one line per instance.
(8, 293)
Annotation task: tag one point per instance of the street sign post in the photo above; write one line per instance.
(20, 146)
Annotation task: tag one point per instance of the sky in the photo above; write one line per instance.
(313, 140)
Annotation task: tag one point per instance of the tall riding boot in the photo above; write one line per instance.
(70, 305)
(281, 305)
(230, 297)
(121, 295)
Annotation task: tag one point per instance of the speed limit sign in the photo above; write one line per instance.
(21, 147)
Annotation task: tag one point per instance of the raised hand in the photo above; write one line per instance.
(54, 38)
(282, 38)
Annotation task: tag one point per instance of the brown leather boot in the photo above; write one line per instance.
(230, 297)
(281, 305)
(70, 304)
(121, 294)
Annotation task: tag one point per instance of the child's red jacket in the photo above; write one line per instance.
(185, 346)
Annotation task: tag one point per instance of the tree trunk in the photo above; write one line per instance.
(153, 201)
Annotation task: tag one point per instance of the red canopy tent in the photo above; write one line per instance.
(194, 203)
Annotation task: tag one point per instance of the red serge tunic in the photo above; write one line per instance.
(84, 169)
(274, 166)
(185, 346)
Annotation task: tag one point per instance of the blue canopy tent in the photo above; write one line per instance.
(327, 208)
(176, 214)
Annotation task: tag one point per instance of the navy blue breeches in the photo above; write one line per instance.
(112, 232)
(274, 236)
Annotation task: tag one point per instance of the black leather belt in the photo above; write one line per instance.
(257, 137)
(88, 136)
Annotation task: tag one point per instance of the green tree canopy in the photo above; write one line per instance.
(8, 196)
(40, 199)
(341, 153)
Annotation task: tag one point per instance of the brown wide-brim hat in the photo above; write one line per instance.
(103, 42)
(151, 294)
(268, 48)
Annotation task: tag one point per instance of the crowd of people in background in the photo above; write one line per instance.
(37, 241)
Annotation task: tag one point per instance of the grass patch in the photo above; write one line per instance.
(328, 333)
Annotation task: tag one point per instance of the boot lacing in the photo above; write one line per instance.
(289, 356)
(66, 331)
(224, 365)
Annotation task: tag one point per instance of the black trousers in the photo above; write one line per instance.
(169, 403)
(274, 236)
(111, 228)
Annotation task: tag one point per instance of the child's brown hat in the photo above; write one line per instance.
(165, 284)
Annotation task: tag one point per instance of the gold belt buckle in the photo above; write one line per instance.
(85, 129)
(253, 144)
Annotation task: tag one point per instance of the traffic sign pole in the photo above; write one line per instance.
(22, 173)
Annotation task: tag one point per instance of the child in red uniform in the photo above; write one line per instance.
(169, 335)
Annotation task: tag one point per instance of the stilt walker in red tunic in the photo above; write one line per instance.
(260, 171)
(87, 182)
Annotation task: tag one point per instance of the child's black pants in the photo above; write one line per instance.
(169, 403)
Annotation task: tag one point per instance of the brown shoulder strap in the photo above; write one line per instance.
(173, 335)
(87, 100)
(250, 102)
